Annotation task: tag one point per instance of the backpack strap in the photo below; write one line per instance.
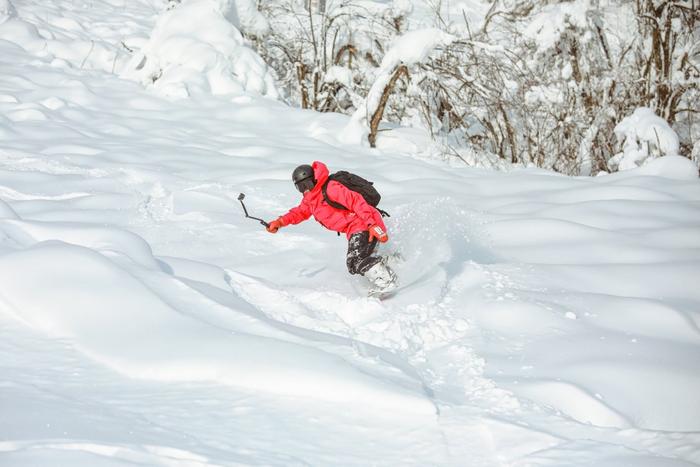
(324, 190)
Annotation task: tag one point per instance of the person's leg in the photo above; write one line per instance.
(359, 257)
(361, 261)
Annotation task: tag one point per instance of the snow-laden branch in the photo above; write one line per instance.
(412, 48)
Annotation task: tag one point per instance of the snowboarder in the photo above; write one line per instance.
(361, 222)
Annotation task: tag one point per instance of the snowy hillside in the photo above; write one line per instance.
(541, 319)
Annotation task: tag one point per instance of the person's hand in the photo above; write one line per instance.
(274, 226)
(377, 232)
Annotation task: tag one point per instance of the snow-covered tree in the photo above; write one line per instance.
(546, 83)
(528, 82)
(407, 51)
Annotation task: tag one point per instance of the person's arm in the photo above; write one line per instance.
(294, 216)
(297, 214)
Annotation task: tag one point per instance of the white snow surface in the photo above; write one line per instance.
(540, 320)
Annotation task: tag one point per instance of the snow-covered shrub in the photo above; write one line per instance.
(326, 56)
(533, 82)
(545, 83)
(530, 86)
(644, 136)
(195, 48)
(245, 16)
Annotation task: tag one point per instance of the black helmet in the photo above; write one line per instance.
(303, 178)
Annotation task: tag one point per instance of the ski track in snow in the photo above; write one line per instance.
(538, 314)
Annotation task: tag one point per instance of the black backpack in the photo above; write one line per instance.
(355, 183)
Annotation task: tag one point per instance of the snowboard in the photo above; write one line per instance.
(382, 294)
(390, 261)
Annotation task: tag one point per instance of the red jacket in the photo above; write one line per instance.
(358, 217)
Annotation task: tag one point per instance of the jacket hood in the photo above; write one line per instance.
(320, 174)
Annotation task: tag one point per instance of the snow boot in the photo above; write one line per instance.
(381, 278)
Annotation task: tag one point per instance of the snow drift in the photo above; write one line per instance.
(74, 292)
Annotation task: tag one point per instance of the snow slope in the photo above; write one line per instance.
(542, 319)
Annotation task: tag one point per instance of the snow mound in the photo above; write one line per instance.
(676, 167)
(61, 452)
(117, 320)
(49, 32)
(195, 49)
(6, 211)
(21, 33)
(108, 241)
(7, 10)
(574, 402)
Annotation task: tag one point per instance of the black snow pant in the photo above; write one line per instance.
(359, 258)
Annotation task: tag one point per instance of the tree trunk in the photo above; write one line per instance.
(301, 76)
(377, 116)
